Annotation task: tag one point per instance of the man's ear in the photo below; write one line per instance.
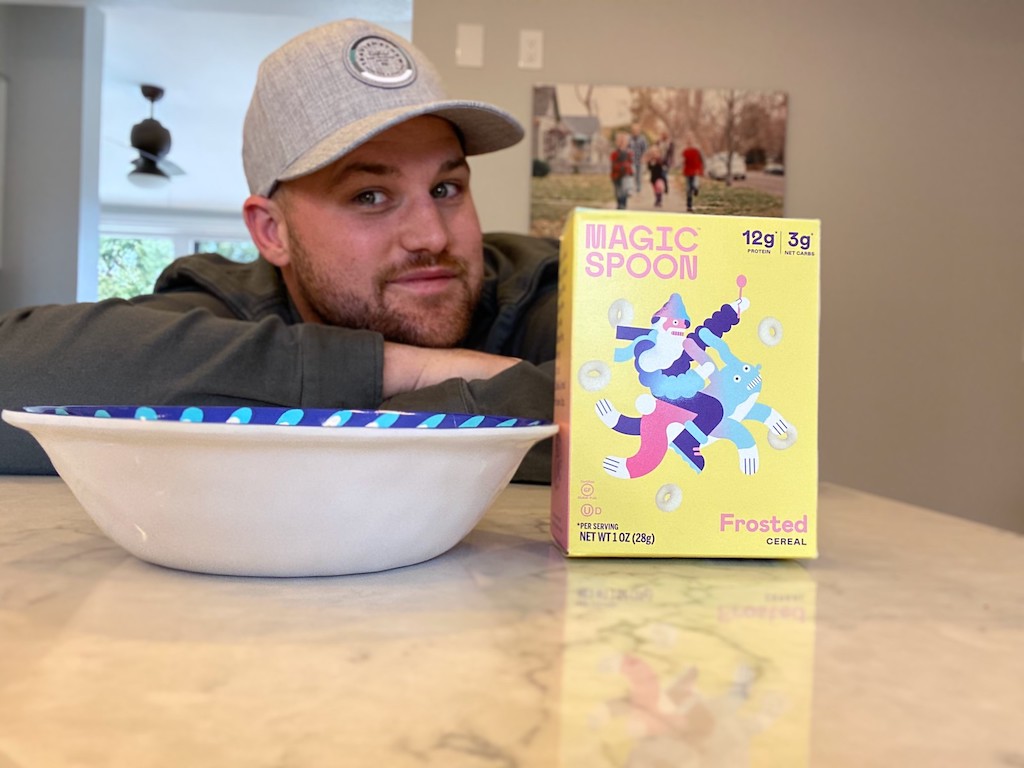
(267, 228)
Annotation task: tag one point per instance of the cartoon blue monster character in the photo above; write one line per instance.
(737, 386)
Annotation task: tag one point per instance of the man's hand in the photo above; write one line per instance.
(408, 368)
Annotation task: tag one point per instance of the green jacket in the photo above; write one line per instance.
(215, 332)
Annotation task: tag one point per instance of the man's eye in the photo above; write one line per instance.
(370, 197)
(445, 189)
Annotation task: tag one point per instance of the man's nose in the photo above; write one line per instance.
(424, 227)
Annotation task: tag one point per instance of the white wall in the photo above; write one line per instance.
(906, 138)
(52, 59)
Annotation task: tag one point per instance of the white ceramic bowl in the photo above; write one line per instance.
(281, 492)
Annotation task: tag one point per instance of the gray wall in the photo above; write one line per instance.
(906, 138)
(906, 118)
(52, 58)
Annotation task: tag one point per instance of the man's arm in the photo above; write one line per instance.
(116, 353)
(523, 390)
(408, 368)
(113, 352)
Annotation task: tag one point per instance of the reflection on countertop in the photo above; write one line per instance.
(899, 646)
(687, 663)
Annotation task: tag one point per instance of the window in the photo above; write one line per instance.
(129, 266)
(236, 250)
(136, 246)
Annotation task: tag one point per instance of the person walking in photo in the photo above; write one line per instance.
(693, 169)
(622, 170)
(667, 147)
(638, 146)
(656, 169)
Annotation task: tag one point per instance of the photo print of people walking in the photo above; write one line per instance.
(706, 151)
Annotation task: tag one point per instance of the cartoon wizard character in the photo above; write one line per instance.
(676, 413)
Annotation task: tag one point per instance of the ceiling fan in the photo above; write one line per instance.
(153, 142)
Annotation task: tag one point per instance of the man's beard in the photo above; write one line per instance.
(440, 321)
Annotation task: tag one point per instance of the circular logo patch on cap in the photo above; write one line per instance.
(380, 62)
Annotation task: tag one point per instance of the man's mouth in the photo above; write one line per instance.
(425, 279)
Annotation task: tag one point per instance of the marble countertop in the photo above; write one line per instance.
(902, 645)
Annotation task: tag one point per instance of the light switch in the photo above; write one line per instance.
(469, 45)
(531, 49)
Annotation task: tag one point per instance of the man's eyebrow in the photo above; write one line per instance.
(373, 169)
(455, 164)
(383, 169)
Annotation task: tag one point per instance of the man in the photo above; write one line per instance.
(375, 287)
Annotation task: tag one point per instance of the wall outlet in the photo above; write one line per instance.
(531, 49)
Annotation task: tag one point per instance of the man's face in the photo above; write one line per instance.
(387, 238)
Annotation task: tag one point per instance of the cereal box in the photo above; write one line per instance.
(686, 386)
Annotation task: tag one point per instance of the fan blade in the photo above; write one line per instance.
(171, 169)
(165, 165)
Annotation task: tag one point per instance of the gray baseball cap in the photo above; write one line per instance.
(330, 89)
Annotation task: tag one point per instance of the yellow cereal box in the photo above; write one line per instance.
(687, 386)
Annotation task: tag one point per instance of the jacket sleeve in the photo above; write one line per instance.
(536, 333)
(525, 391)
(113, 352)
(525, 300)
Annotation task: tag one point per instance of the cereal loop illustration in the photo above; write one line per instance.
(594, 375)
(669, 497)
(783, 441)
(769, 331)
(620, 313)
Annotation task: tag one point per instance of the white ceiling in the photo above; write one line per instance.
(204, 53)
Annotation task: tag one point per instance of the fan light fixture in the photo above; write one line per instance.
(153, 142)
(148, 175)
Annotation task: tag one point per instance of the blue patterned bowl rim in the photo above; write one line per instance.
(292, 417)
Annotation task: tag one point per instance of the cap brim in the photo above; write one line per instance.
(484, 129)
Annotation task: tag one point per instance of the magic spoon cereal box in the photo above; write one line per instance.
(687, 386)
